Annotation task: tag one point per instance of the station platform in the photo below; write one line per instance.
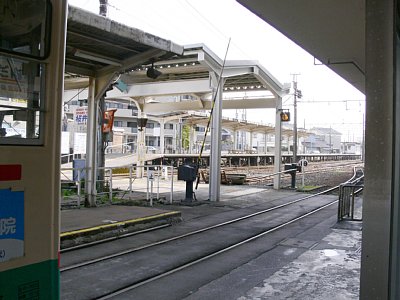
(322, 262)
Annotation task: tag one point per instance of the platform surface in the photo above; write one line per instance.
(86, 218)
(321, 263)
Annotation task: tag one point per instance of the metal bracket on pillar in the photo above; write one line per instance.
(141, 143)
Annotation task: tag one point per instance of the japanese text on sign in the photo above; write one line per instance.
(7, 226)
(81, 115)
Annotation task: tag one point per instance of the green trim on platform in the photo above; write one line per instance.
(36, 281)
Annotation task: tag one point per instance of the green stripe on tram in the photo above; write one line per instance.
(36, 281)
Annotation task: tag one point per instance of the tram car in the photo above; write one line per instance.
(32, 46)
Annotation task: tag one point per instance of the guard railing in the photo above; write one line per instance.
(347, 196)
(74, 184)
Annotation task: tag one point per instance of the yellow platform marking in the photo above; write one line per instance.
(122, 223)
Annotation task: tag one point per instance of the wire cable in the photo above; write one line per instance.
(211, 114)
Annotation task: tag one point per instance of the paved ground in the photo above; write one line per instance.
(321, 263)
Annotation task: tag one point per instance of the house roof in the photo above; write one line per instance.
(322, 130)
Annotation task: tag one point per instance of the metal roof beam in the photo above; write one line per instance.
(173, 106)
(206, 105)
(76, 83)
(207, 61)
(132, 61)
(79, 70)
(237, 71)
(236, 68)
(249, 103)
(273, 85)
(181, 87)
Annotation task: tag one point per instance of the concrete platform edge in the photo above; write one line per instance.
(107, 227)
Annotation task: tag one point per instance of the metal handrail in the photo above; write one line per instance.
(152, 187)
(347, 193)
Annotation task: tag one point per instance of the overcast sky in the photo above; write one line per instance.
(213, 22)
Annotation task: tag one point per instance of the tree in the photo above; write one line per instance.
(185, 137)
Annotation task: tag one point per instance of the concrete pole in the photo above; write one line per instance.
(278, 144)
(141, 149)
(295, 125)
(265, 143)
(179, 142)
(103, 8)
(296, 94)
(91, 147)
(162, 136)
(174, 138)
(215, 153)
(235, 140)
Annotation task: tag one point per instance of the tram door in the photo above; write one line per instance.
(32, 46)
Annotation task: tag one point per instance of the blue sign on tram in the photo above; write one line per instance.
(11, 224)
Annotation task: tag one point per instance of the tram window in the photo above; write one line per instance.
(24, 28)
(21, 104)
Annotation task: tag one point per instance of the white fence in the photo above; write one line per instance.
(155, 179)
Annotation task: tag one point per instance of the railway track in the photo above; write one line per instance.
(312, 165)
(254, 176)
(187, 261)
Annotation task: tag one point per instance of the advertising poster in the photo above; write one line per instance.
(11, 224)
(80, 143)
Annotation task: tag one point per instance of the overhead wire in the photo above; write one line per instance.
(156, 29)
(215, 28)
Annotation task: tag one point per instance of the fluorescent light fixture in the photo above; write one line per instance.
(96, 57)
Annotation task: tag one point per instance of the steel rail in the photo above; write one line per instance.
(211, 255)
(258, 179)
(121, 253)
(221, 251)
(317, 169)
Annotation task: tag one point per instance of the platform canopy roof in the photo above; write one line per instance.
(97, 45)
(190, 74)
(333, 31)
(233, 124)
(195, 118)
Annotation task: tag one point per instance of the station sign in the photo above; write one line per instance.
(81, 119)
(303, 163)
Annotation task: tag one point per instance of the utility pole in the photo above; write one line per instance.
(296, 94)
(103, 8)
